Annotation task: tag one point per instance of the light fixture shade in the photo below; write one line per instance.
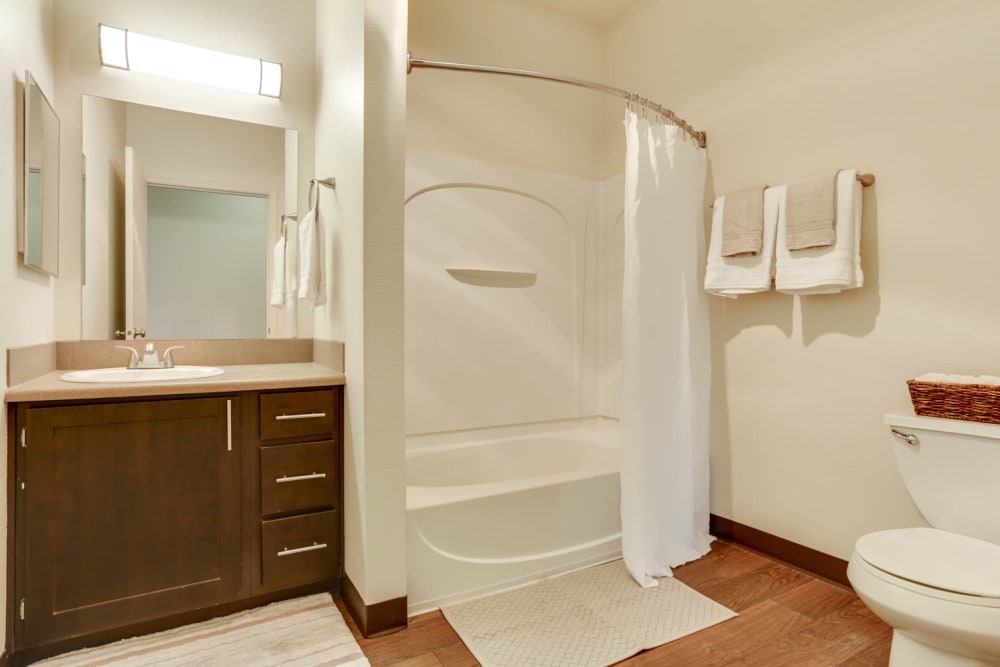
(125, 49)
(270, 79)
(114, 52)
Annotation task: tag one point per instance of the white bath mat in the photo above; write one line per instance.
(304, 632)
(591, 618)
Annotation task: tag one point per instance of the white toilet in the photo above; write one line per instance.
(939, 588)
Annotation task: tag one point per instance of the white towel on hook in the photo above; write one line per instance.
(278, 273)
(285, 269)
(830, 269)
(291, 267)
(312, 282)
(742, 274)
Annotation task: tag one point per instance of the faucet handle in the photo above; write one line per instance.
(133, 359)
(168, 357)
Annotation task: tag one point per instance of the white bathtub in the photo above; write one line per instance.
(491, 515)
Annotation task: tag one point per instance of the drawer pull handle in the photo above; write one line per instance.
(304, 415)
(299, 478)
(288, 552)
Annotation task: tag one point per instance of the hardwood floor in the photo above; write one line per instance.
(786, 617)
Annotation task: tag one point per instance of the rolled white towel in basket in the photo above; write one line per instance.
(946, 378)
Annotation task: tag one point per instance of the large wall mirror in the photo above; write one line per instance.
(39, 238)
(181, 213)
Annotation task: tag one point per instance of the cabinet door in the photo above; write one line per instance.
(132, 511)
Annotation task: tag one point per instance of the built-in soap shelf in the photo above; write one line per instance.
(493, 277)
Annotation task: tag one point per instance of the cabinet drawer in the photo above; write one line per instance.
(300, 549)
(298, 477)
(297, 414)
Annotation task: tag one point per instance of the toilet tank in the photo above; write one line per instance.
(952, 472)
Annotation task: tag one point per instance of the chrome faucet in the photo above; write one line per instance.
(168, 356)
(150, 359)
(133, 358)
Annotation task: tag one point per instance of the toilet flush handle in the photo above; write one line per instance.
(908, 438)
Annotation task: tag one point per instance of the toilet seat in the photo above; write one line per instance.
(936, 563)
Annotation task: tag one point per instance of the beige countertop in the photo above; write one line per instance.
(249, 377)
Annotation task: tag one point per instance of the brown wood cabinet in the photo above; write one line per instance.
(300, 482)
(136, 515)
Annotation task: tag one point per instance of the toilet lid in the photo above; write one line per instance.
(937, 558)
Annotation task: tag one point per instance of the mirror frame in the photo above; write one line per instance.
(40, 224)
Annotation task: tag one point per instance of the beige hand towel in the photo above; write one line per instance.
(809, 212)
(743, 222)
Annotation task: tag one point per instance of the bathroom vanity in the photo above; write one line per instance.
(143, 507)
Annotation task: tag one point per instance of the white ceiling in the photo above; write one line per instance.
(595, 12)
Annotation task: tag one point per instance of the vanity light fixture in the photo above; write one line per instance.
(129, 50)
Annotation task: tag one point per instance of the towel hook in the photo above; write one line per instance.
(328, 182)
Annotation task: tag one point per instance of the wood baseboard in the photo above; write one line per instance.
(804, 558)
(377, 619)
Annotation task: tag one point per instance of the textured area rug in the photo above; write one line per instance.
(304, 632)
(590, 618)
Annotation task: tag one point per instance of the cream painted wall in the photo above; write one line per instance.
(27, 297)
(901, 88)
(281, 32)
(524, 122)
(360, 112)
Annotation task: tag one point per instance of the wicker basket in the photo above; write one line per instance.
(969, 402)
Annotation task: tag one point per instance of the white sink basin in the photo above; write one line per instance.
(141, 374)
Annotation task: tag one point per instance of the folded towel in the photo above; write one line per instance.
(312, 282)
(743, 222)
(745, 274)
(947, 378)
(833, 268)
(809, 212)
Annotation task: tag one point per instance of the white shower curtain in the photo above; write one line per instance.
(665, 353)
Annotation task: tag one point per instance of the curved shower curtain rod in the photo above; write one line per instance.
(631, 97)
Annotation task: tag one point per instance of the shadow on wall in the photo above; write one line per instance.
(851, 312)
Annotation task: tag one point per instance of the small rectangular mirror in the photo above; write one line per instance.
(41, 181)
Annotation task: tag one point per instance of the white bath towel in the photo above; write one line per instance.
(312, 281)
(285, 270)
(743, 274)
(278, 274)
(833, 268)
